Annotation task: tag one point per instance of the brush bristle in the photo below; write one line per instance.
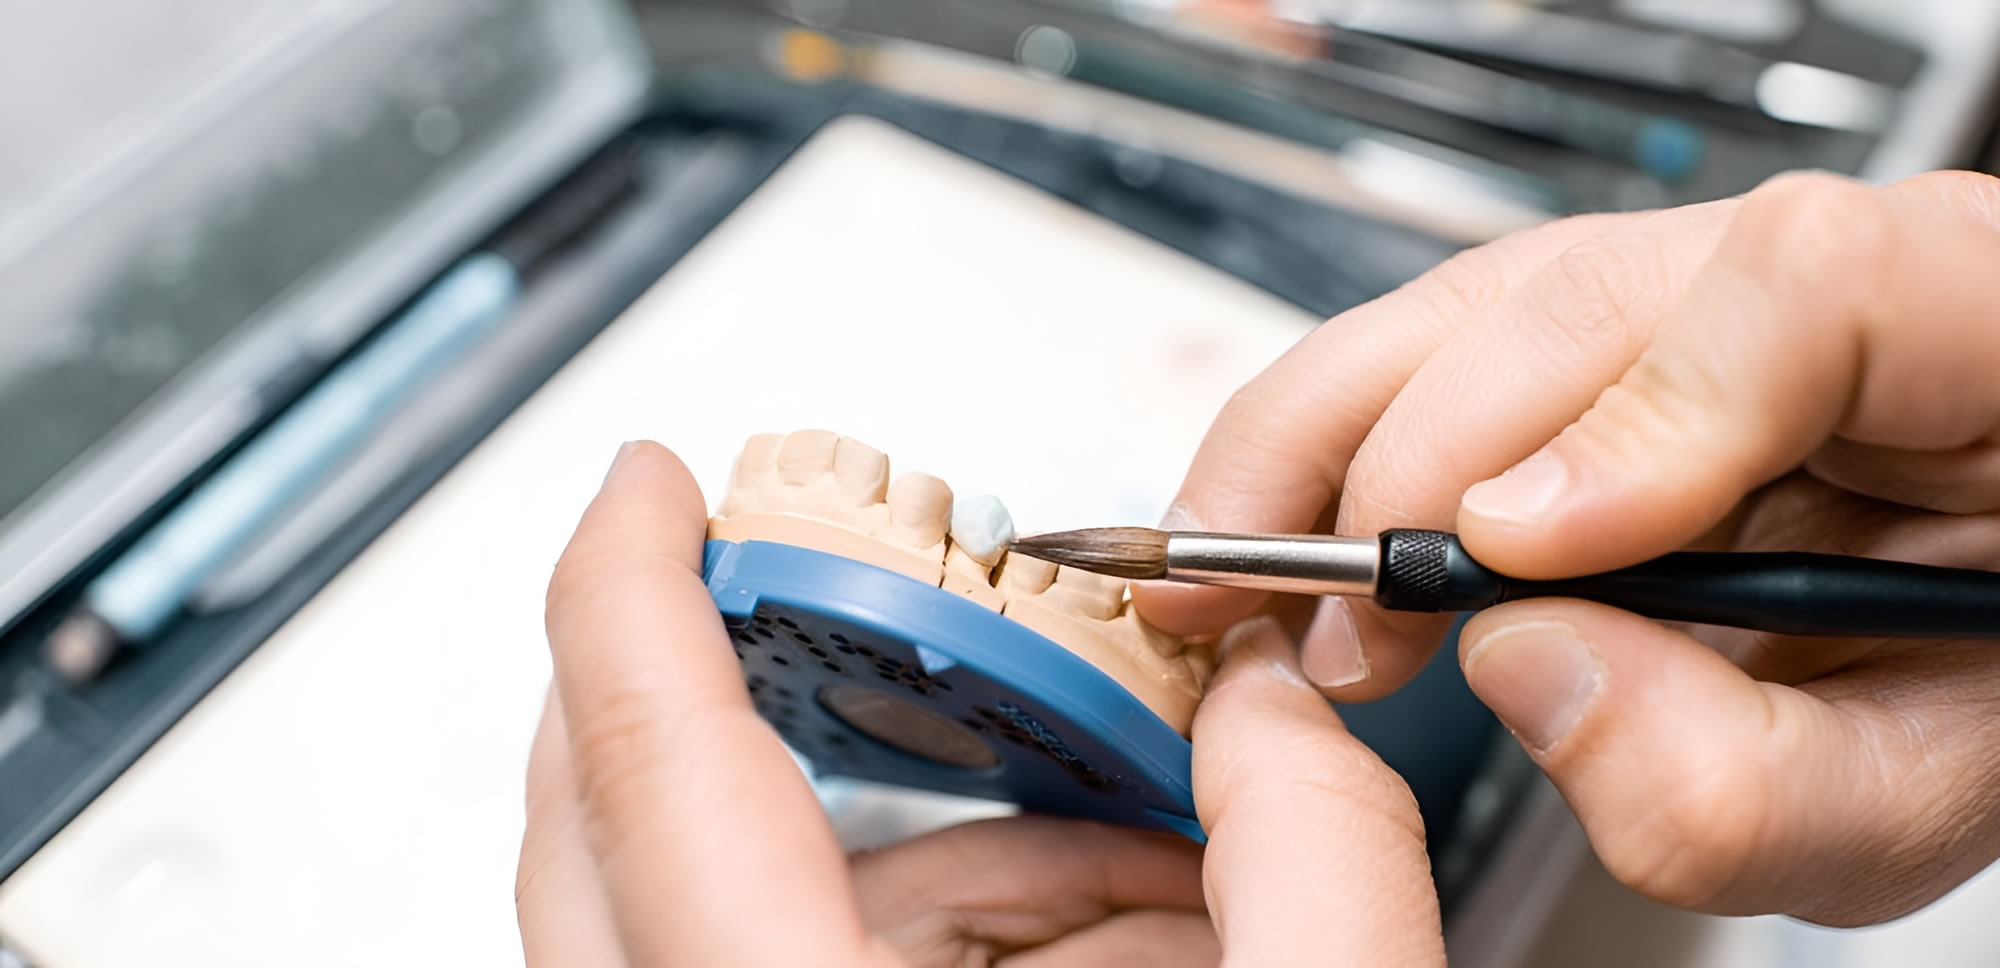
(1131, 553)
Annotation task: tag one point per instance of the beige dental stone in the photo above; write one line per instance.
(819, 490)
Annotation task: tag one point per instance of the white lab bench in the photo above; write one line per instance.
(352, 793)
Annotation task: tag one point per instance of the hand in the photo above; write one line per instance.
(668, 826)
(1810, 367)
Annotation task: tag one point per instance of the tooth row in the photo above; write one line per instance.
(817, 489)
(816, 473)
(1090, 615)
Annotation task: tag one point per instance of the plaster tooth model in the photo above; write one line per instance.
(819, 490)
(1090, 616)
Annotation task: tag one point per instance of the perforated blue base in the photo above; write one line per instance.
(1068, 739)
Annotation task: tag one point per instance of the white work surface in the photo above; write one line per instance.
(351, 795)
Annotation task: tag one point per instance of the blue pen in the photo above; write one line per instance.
(150, 585)
(147, 587)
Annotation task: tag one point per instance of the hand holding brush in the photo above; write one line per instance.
(1776, 418)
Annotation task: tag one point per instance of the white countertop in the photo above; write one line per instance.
(352, 793)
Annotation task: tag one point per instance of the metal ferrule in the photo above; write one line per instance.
(1302, 565)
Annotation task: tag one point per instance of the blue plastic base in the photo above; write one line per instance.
(1063, 737)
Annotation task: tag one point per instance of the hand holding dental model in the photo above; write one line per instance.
(667, 825)
(1808, 368)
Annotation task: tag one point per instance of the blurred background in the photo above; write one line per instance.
(722, 217)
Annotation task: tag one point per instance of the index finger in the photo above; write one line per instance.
(1276, 458)
(1316, 849)
(1829, 308)
(700, 820)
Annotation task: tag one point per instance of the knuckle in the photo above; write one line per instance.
(1949, 180)
(1465, 285)
(1399, 489)
(1694, 842)
(1526, 249)
(1974, 193)
(1247, 437)
(1257, 435)
(1373, 795)
(1458, 287)
(1591, 293)
(1471, 281)
(1817, 231)
(1245, 418)
(1652, 411)
(1670, 390)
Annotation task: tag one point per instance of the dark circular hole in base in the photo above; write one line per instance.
(907, 727)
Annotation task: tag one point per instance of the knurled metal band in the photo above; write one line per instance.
(1414, 576)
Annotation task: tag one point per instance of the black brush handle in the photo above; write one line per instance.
(1791, 593)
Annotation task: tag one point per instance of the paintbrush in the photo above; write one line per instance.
(1792, 593)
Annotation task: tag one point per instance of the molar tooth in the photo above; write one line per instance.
(861, 471)
(1087, 593)
(919, 506)
(806, 455)
(981, 525)
(1022, 575)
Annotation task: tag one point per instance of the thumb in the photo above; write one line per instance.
(1849, 801)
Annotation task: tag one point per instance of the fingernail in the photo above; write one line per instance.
(1262, 640)
(1332, 654)
(1179, 518)
(624, 450)
(1522, 494)
(1539, 678)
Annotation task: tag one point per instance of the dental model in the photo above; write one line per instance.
(818, 490)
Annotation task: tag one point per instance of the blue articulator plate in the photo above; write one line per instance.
(874, 675)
